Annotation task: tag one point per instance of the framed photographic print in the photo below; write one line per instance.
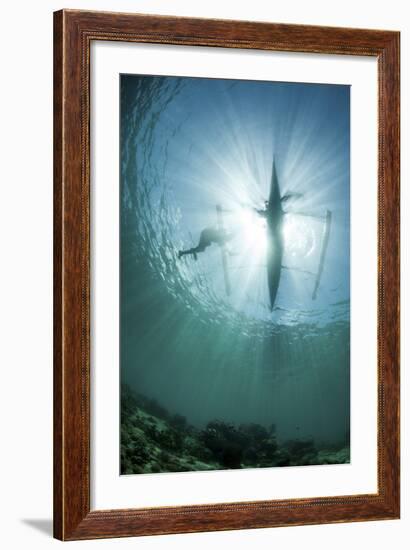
(226, 275)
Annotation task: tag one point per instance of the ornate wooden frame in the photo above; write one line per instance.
(73, 33)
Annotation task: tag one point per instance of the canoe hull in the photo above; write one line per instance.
(274, 265)
(274, 220)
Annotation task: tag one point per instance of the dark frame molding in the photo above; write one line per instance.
(73, 33)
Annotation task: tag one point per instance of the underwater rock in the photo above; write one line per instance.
(300, 447)
(341, 456)
(232, 456)
(283, 458)
(155, 443)
(178, 421)
(250, 455)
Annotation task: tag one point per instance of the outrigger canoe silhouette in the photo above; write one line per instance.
(274, 215)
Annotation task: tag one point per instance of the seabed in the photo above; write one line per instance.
(154, 441)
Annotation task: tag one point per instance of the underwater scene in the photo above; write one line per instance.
(234, 274)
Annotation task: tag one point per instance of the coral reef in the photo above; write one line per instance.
(153, 441)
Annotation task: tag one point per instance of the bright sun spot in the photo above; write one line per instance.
(299, 235)
(253, 230)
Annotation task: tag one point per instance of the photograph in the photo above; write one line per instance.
(234, 274)
(203, 297)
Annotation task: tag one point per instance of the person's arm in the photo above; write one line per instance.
(262, 213)
(291, 195)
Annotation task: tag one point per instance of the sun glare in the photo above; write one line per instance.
(253, 230)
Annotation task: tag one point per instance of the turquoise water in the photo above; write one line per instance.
(188, 145)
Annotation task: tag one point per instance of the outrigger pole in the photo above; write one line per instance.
(325, 242)
(224, 255)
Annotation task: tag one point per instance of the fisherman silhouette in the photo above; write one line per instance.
(208, 236)
(220, 236)
(263, 213)
(287, 196)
